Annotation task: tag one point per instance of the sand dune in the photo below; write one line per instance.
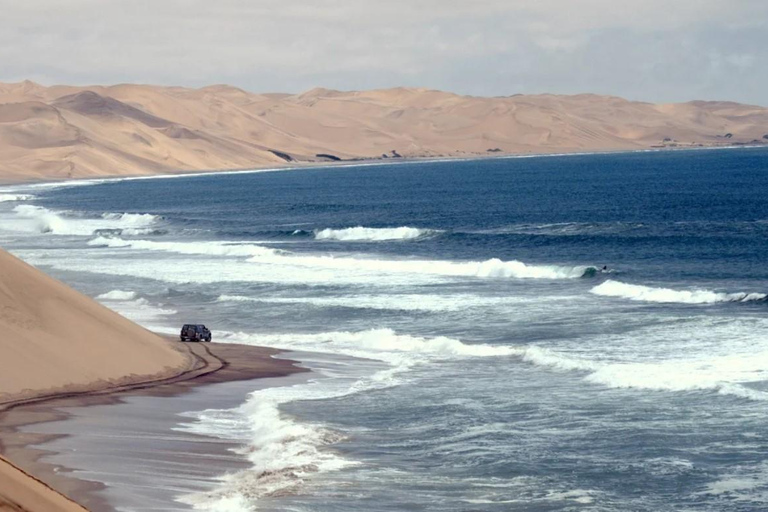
(65, 131)
(57, 345)
(19, 492)
(55, 339)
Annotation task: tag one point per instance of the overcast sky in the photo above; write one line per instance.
(654, 50)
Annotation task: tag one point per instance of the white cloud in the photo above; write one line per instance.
(480, 46)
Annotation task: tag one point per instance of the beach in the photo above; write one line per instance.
(214, 365)
(467, 347)
(436, 256)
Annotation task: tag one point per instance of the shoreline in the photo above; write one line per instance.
(21, 456)
(363, 162)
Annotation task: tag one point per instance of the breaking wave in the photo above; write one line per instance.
(635, 292)
(362, 234)
(285, 453)
(722, 374)
(541, 356)
(10, 198)
(117, 295)
(234, 249)
(493, 268)
(393, 302)
(43, 220)
(138, 310)
(382, 344)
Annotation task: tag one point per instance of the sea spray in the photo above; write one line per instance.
(47, 221)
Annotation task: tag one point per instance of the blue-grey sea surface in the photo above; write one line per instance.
(507, 369)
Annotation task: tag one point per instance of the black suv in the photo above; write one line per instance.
(192, 332)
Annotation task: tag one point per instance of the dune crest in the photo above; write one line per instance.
(74, 132)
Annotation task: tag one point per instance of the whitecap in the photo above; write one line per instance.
(360, 233)
(12, 198)
(42, 220)
(635, 292)
(117, 295)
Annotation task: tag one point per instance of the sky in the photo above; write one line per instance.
(649, 50)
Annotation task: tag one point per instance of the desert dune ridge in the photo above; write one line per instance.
(57, 340)
(61, 132)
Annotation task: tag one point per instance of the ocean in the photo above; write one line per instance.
(560, 333)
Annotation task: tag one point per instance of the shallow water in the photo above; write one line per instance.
(508, 371)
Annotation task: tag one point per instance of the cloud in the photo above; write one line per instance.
(477, 47)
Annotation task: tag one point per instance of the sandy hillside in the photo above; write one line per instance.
(64, 131)
(21, 493)
(56, 339)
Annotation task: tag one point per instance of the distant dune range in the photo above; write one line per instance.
(74, 132)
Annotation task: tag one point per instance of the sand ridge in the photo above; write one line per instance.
(55, 339)
(58, 345)
(28, 493)
(61, 132)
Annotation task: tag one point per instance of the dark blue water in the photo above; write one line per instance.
(514, 373)
(673, 209)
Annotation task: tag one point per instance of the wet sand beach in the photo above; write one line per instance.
(141, 433)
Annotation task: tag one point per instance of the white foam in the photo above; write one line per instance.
(140, 311)
(583, 496)
(493, 268)
(393, 302)
(233, 249)
(635, 292)
(361, 233)
(382, 344)
(10, 198)
(546, 357)
(285, 453)
(717, 364)
(117, 295)
(305, 270)
(725, 375)
(400, 351)
(42, 220)
(256, 263)
(746, 483)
